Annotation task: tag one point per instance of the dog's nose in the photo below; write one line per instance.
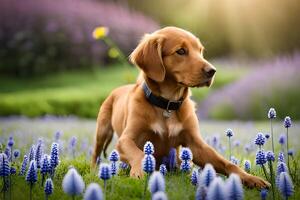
(210, 73)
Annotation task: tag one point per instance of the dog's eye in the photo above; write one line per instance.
(181, 51)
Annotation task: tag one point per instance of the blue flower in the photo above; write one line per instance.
(16, 153)
(260, 139)
(201, 192)
(270, 156)
(207, 176)
(163, 169)
(114, 168)
(229, 133)
(247, 165)
(39, 153)
(267, 136)
(10, 142)
(7, 152)
(185, 154)
(287, 122)
(24, 165)
(123, 165)
(272, 113)
(281, 167)
(73, 142)
(148, 148)
(54, 157)
(148, 163)
(57, 135)
(234, 188)
(282, 139)
(260, 157)
(31, 175)
(234, 160)
(104, 171)
(48, 189)
(73, 183)
(45, 165)
(156, 182)
(4, 165)
(159, 196)
(32, 153)
(281, 157)
(263, 194)
(13, 170)
(194, 177)
(285, 185)
(172, 159)
(185, 166)
(291, 152)
(93, 192)
(216, 190)
(114, 156)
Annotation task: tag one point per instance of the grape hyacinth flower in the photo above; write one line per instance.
(263, 194)
(271, 116)
(291, 152)
(124, 165)
(194, 177)
(4, 171)
(185, 154)
(261, 159)
(104, 173)
(234, 160)
(260, 140)
(148, 148)
(54, 157)
(159, 196)
(172, 159)
(234, 188)
(114, 168)
(32, 153)
(208, 175)
(247, 166)
(287, 124)
(156, 182)
(229, 134)
(93, 192)
(185, 166)
(73, 183)
(13, 171)
(163, 169)
(31, 176)
(216, 190)
(281, 157)
(72, 146)
(282, 141)
(16, 154)
(201, 192)
(114, 156)
(285, 185)
(45, 167)
(281, 167)
(48, 189)
(267, 136)
(148, 164)
(24, 165)
(39, 153)
(10, 142)
(57, 136)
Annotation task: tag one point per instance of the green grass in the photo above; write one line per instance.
(77, 92)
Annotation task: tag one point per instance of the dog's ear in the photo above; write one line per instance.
(148, 57)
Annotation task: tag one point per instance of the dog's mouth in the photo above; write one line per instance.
(205, 83)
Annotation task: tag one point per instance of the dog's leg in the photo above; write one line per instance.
(203, 153)
(104, 130)
(130, 153)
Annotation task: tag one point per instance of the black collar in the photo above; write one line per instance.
(160, 101)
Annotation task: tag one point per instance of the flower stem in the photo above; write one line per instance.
(30, 193)
(145, 188)
(287, 149)
(265, 172)
(272, 178)
(272, 135)
(229, 149)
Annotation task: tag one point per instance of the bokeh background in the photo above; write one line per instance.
(51, 65)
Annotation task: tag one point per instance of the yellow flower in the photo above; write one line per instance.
(100, 32)
(113, 53)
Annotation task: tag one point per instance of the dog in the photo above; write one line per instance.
(158, 107)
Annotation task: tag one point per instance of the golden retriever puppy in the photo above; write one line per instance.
(158, 107)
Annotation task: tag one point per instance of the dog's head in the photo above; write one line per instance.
(173, 53)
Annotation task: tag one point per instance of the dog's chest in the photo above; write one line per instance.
(166, 127)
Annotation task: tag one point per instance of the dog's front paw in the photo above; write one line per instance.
(254, 181)
(136, 172)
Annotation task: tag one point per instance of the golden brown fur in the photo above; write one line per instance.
(169, 74)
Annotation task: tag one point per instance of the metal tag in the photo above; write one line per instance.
(167, 113)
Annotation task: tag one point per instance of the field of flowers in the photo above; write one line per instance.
(48, 158)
